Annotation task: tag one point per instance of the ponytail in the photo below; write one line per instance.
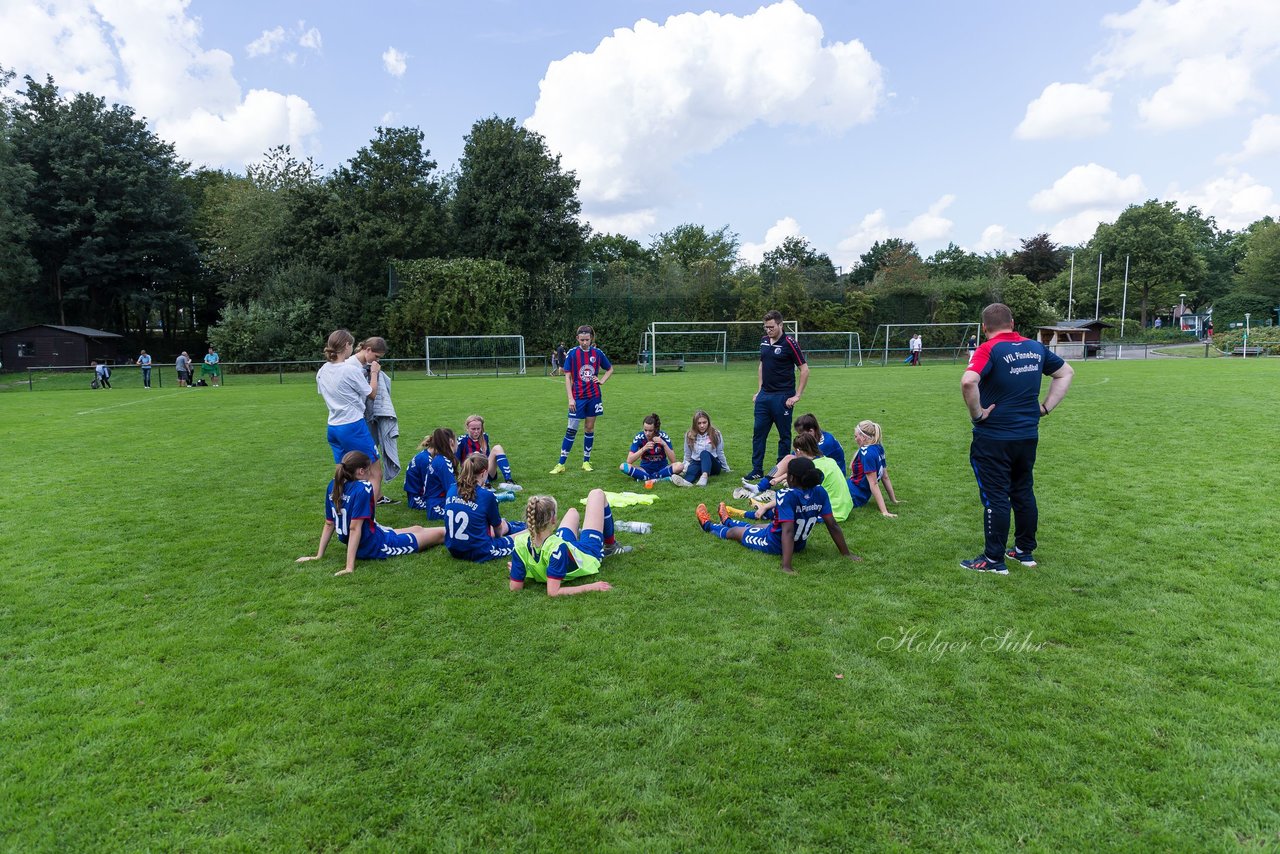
(871, 430)
(338, 340)
(473, 468)
(439, 442)
(352, 462)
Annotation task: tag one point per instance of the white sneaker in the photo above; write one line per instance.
(679, 481)
(702, 481)
(743, 492)
(633, 527)
(509, 486)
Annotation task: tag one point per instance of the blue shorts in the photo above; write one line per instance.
(351, 437)
(762, 539)
(387, 543)
(589, 408)
(435, 508)
(483, 552)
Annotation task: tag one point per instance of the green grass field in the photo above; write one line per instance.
(171, 679)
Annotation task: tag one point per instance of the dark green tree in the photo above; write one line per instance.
(877, 256)
(1260, 267)
(956, 263)
(112, 225)
(691, 247)
(1039, 259)
(795, 253)
(513, 203)
(18, 270)
(1161, 247)
(607, 249)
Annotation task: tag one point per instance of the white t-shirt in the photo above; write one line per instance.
(344, 389)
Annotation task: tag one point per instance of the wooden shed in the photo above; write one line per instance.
(1074, 339)
(46, 345)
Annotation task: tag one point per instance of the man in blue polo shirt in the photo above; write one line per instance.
(778, 391)
(1001, 387)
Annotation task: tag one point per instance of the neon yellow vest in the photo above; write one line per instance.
(536, 565)
(837, 488)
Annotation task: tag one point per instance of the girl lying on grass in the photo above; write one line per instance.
(474, 529)
(869, 468)
(555, 554)
(798, 511)
(348, 509)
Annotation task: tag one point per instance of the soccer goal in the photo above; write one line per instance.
(831, 349)
(474, 355)
(940, 340)
(675, 344)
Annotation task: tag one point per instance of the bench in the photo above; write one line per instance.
(1247, 351)
(669, 364)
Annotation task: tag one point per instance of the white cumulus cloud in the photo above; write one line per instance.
(1066, 110)
(930, 227)
(265, 43)
(654, 96)
(1235, 199)
(1203, 88)
(1263, 139)
(310, 39)
(753, 253)
(147, 54)
(996, 238)
(1090, 185)
(1079, 228)
(395, 61)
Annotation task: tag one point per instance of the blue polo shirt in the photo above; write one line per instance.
(1010, 368)
(778, 362)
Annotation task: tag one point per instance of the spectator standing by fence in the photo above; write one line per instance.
(183, 366)
(144, 362)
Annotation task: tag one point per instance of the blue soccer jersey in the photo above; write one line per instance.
(778, 362)
(376, 541)
(468, 446)
(1010, 368)
(830, 447)
(469, 526)
(653, 460)
(427, 481)
(868, 459)
(804, 507)
(583, 366)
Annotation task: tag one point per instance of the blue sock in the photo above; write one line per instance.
(637, 472)
(504, 467)
(719, 530)
(764, 484)
(751, 514)
(566, 446)
(588, 439)
(608, 525)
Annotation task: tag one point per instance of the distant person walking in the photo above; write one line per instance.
(777, 393)
(917, 344)
(561, 352)
(1001, 387)
(183, 365)
(144, 361)
(102, 374)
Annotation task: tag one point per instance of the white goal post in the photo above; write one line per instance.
(701, 341)
(474, 355)
(831, 349)
(960, 339)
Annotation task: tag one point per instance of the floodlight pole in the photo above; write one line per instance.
(1245, 352)
(1097, 300)
(1124, 303)
(1071, 286)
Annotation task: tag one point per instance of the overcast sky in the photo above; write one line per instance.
(842, 121)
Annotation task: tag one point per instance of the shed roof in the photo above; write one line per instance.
(84, 331)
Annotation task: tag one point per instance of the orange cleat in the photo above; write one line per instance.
(704, 518)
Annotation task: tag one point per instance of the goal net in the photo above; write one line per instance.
(939, 341)
(701, 342)
(474, 355)
(831, 349)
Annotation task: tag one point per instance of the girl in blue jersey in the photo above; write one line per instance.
(586, 369)
(869, 469)
(348, 510)
(651, 457)
(798, 511)
(430, 474)
(476, 441)
(473, 528)
(555, 554)
(827, 444)
(833, 482)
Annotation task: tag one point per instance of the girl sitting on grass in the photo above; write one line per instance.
(348, 509)
(806, 446)
(476, 441)
(430, 474)
(651, 458)
(798, 511)
(703, 451)
(474, 529)
(556, 554)
(869, 468)
(827, 444)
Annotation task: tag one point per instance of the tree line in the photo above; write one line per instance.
(103, 225)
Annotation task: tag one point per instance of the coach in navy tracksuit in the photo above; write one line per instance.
(779, 357)
(1001, 387)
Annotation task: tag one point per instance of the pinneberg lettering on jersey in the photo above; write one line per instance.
(1011, 357)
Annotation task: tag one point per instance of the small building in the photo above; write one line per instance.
(1074, 339)
(46, 345)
